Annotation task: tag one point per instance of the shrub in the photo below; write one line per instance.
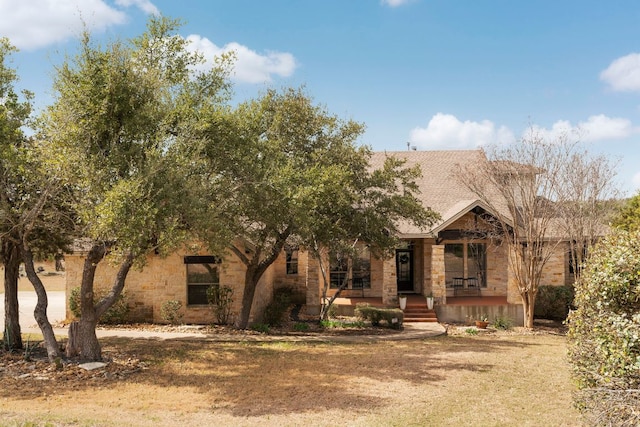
(334, 324)
(392, 316)
(301, 327)
(275, 311)
(260, 327)
(604, 332)
(170, 312)
(554, 302)
(502, 322)
(220, 299)
(116, 314)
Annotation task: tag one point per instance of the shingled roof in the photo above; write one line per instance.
(440, 190)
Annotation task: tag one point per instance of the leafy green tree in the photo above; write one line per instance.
(604, 332)
(289, 168)
(628, 215)
(33, 218)
(357, 206)
(15, 111)
(120, 114)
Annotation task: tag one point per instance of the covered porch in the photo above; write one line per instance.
(463, 309)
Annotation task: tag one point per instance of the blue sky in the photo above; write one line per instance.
(439, 74)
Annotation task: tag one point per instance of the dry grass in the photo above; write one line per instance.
(455, 380)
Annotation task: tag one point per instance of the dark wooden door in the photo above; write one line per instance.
(404, 270)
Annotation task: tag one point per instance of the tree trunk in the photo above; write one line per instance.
(12, 332)
(528, 307)
(255, 269)
(251, 279)
(40, 312)
(83, 341)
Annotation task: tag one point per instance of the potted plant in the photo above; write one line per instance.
(402, 299)
(430, 301)
(482, 322)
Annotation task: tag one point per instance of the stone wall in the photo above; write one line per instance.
(165, 278)
(556, 268)
(497, 270)
(438, 283)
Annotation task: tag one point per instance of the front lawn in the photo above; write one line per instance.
(487, 379)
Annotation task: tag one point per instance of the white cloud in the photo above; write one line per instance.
(250, 66)
(144, 5)
(394, 3)
(596, 128)
(623, 74)
(445, 131)
(36, 23)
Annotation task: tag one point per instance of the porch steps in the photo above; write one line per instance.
(419, 313)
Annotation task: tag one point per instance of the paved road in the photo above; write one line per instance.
(27, 303)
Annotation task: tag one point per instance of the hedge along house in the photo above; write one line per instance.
(465, 269)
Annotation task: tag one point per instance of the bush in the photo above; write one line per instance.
(300, 327)
(170, 312)
(554, 302)
(335, 324)
(220, 299)
(392, 316)
(116, 314)
(604, 332)
(260, 327)
(275, 311)
(502, 322)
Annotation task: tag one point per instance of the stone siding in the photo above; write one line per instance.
(165, 278)
(556, 268)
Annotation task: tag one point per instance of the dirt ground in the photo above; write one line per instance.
(493, 378)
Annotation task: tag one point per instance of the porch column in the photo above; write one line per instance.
(389, 282)
(438, 285)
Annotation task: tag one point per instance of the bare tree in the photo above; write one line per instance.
(528, 186)
(589, 193)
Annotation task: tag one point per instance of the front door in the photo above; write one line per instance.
(404, 270)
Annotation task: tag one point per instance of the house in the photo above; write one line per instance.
(450, 260)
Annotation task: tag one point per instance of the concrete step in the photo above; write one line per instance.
(419, 313)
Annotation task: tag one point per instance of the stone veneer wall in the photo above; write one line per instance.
(164, 279)
(438, 284)
(556, 268)
(427, 245)
(497, 270)
(389, 282)
(297, 282)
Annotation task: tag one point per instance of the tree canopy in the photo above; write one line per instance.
(628, 216)
(113, 134)
(294, 173)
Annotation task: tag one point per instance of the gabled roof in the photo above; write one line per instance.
(440, 189)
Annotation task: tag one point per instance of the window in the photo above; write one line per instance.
(574, 262)
(465, 261)
(360, 277)
(291, 259)
(202, 272)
